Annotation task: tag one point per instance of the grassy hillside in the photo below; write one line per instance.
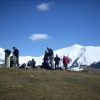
(39, 84)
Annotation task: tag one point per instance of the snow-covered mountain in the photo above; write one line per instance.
(80, 55)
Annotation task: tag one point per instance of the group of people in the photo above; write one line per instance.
(32, 63)
(48, 60)
(49, 57)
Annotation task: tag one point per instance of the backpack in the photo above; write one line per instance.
(50, 52)
(23, 65)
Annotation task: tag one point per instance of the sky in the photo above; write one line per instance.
(33, 25)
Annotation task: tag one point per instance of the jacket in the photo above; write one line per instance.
(45, 57)
(57, 59)
(65, 60)
(13, 59)
(50, 52)
(16, 53)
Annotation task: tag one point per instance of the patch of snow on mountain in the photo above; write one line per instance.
(92, 54)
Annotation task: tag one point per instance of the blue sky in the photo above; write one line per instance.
(34, 25)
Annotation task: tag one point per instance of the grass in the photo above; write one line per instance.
(39, 84)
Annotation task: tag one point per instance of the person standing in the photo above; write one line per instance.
(33, 63)
(46, 56)
(51, 57)
(57, 59)
(45, 63)
(65, 62)
(16, 53)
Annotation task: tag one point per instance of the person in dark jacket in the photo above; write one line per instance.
(65, 62)
(45, 63)
(16, 53)
(51, 57)
(33, 63)
(57, 59)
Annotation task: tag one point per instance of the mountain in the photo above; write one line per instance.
(95, 65)
(80, 55)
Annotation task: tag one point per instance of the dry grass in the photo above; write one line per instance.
(37, 84)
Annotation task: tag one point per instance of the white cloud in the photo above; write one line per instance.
(44, 6)
(35, 37)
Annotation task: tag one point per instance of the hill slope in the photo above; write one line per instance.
(21, 84)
